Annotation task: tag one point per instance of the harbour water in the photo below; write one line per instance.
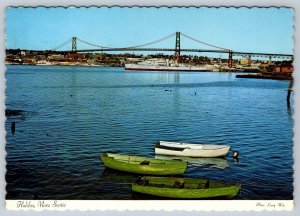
(73, 114)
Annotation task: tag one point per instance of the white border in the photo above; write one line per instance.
(167, 205)
(261, 3)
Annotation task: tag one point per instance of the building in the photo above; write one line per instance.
(284, 67)
(246, 61)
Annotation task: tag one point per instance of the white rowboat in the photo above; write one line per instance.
(191, 150)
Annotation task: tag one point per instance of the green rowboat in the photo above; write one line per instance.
(143, 165)
(185, 188)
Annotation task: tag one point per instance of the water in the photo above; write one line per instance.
(73, 114)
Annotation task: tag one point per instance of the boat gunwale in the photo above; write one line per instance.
(235, 186)
(166, 169)
(175, 148)
(185, 179)
(192, 192)
(151, 160)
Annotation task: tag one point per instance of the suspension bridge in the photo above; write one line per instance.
(177, 49)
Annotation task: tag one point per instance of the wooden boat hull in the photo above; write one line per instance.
(143, 165)
(191, 150)
(185, 188)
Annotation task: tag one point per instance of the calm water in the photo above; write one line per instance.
(73, 114)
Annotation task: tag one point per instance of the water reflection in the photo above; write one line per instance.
(114, 176)
(290, 112)
(220, 163)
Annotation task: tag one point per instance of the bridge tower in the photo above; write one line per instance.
(230, 59)
(177, 48)
(74, 43)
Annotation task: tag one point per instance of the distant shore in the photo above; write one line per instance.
(220, 69)
(77, 64)
(274, 76)
(253, 75)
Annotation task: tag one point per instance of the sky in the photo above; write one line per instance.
(268, 30)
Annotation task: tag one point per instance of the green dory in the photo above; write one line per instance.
(143, 165)
(185, 188)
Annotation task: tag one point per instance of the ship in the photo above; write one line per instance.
(163, 65)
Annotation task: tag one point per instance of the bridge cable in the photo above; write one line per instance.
(91, 44)
(150, 43)
(131, 47)
(61, 45)
(58, 47)
(203, 42)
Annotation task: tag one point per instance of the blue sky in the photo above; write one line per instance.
(250, 30)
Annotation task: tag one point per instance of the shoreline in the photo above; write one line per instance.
(249, 75)
(80, 65)
(140, 70)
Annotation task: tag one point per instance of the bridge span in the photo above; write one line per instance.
(177, 50)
